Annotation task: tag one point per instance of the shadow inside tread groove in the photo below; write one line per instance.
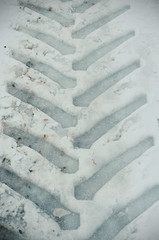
(84, 63)
(86, 30)
(45, 69)
(102, 85)
(42, 198)
(87, 189)
(53, 154)
(48, 13)
(58, 44)
(121, 218)
(6, 234)
(87, 139)
(65, 119)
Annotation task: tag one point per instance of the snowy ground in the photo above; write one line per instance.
(85, 153)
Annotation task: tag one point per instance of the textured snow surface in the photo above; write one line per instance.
(79, 112)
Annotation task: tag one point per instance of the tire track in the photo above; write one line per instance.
(45, 69)
(60, 159)
(87, 189)
(64, 118)
(102, 85)
(33, 197)
(48, 13)
(60, 45)
(16, 214)
(6, 234)
(84, 63)
(103, 126)
(86, 30)
(121, 218)
(85, 5)
(43, 199)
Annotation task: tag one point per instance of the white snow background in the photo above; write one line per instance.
(144, 18)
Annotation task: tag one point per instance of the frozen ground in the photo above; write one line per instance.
(79, 116)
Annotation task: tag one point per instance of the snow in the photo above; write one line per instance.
(131, 181)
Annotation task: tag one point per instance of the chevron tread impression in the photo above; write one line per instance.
(78, 125)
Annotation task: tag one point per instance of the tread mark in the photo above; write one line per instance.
(111, 227)
(86, 190)
(103, 126)
(92, 57)
(49, 14)
(83, 32)
(65, 119)
(66, 163)
(54, 42)
(85, 5)
(47, 70)
(43, 199)
(93, 92)
(7, 234)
